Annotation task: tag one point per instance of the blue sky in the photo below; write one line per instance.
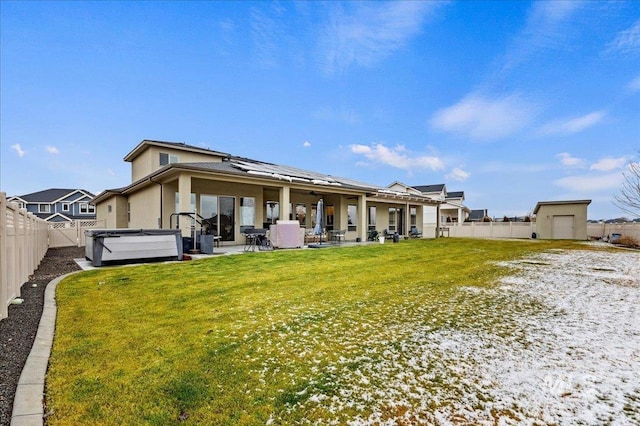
(510, 102)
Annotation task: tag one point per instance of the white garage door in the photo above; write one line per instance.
(562, 228)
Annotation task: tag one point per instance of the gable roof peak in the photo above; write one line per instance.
(431, 188)
(146, 143)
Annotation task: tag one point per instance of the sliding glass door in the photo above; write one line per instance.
(221, 211)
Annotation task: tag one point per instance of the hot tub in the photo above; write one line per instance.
(128, 245)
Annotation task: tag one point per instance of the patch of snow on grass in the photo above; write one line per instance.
(560, 345)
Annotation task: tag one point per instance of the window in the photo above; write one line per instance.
(352, 217)
(168, 159)
(44, 208)
(413, 212)
(330, 213)
(372, 218)
(87, 208)
(247, 211)
(128, 212)
(109, 208)
(392, 219)
(314, 215)
(301, 214)
(65, 207)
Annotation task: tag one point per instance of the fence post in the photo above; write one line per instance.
(4, 279)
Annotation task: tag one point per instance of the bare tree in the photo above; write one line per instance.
(628, 199)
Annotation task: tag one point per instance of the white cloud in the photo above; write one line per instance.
(608, 164)
(481, 118)
(18, 149)
(627, 41)
(590, 183)
(369, 32)
(573, 125)
(52, 150)
(397, 157)
(267, 29)
(634, 84)
(110, 172)
(458, 174)
(545, 29)
(567, 160)
(306, 144)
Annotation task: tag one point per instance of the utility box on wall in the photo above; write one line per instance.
(562, 220)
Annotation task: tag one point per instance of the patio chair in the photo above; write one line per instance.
(415, 233)
(263, 243)
(338, 236)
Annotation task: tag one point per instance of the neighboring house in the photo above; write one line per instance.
(437, 192)
(452, 208)
(478, 215)
(431, 216)
(235, 193)
(58, 205)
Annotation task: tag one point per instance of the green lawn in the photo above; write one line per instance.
(281, 337)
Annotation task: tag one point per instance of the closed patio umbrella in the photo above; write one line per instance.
(317, 230)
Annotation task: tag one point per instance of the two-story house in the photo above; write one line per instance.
(235, 193)
(58, 205)
(452, 209)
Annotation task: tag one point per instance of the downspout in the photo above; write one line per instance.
(161, 203)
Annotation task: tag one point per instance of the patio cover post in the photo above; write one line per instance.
(285, 200)
(362, 220)
(407, 220)
(184, 203)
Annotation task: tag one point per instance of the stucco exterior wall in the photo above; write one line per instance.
(145, 208)
(114, 217)
(149, 160)
(142, 165)
(546, 213)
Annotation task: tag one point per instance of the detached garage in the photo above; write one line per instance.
(562, 220)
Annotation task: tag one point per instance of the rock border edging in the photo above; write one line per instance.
(28, 403)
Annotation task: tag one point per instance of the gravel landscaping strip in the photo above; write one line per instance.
(18, 330)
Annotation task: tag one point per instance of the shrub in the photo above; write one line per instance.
(628, 241)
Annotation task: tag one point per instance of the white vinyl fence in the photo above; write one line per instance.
(600, 230)
(66, 234)
(491, 229)
(23, 244)
(526, 229)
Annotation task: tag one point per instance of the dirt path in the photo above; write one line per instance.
(18, 330)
